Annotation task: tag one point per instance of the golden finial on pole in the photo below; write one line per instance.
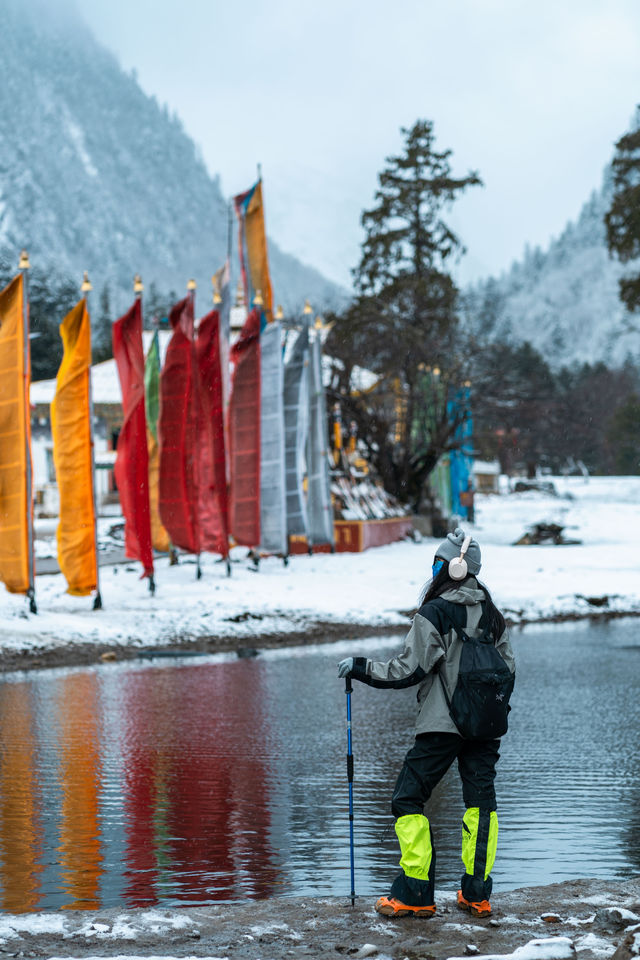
(191, 285)
(215, 280)
(279, 314)
(307, 308)
(319, 324)
(138, 285)
(86, 283)
(24, 261)
(257, 300)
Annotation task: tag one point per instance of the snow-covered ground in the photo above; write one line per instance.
(379, 587)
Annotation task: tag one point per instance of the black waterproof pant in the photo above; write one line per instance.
(424, 766)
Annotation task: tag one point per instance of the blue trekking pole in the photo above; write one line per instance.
(348, 689)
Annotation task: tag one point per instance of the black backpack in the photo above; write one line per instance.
(479, 706)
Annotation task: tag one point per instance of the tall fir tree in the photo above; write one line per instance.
(101, 344)
(623, 218)
(403, 321)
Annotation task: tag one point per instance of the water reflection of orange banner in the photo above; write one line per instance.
(80, 772)
(20, 818)
(198, 784)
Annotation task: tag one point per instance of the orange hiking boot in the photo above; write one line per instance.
(480, 909)
(390, 907)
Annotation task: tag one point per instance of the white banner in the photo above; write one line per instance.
(319, 510)
(296, 432)
(273, 521)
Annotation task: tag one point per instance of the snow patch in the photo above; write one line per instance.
(77, 138)
(550, 948)
(598, 946)
(15, 925)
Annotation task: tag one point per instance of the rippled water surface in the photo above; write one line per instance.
(190, 781)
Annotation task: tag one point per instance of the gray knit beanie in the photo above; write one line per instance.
(449, 549)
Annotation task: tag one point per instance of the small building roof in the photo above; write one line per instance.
(105, 384)
(487, 467)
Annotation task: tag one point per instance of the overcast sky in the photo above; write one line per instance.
(531, 94)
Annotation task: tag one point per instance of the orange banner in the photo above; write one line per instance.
(250, 211)
(16, 556)
(72, 456)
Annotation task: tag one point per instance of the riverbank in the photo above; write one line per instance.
(584, 918)
(327, 597)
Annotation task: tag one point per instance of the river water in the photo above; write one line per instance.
(192, 780)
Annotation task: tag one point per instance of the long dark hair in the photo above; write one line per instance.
(492, 618)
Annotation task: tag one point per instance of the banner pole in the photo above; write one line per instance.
(138, 288)
(24, 267)
(85, 289)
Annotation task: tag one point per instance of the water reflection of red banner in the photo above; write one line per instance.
(197, 785)
(20, 818)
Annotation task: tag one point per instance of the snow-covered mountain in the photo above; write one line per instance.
(564, 300)
(96, 175)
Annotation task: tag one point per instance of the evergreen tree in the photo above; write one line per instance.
(101, 343)
(624, 436)
(623, 218)
(515, 405)
(403, 322)
(154, 306)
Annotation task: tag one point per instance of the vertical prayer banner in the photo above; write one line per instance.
(244, 435)
(296, 427)
(319, 509)
(16, 547)
(132, 459)
(273, 508)
(177, 433)
(73, 455)
(213, 511)
(159, 536)
(252, 240)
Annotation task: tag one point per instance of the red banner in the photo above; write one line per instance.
(177, 433)
(244, 435)
(132, 459)
(213, 512)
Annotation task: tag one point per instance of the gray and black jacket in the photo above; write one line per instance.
(433, 644)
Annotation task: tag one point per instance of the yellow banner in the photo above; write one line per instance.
(256, 239)
(72, 455)
(15, 443)
(159, 536)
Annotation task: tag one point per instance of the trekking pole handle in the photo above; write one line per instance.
(347, 684)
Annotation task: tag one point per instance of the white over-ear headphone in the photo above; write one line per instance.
(458, 566)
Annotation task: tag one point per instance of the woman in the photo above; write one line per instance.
(454, 603)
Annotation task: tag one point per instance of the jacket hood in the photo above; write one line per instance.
(468, 592)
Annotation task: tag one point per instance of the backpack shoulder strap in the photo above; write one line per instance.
(444, 614)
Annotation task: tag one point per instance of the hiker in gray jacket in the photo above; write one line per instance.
(454, 608)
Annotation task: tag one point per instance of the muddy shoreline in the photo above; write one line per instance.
(584, 918)
(78, 654)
